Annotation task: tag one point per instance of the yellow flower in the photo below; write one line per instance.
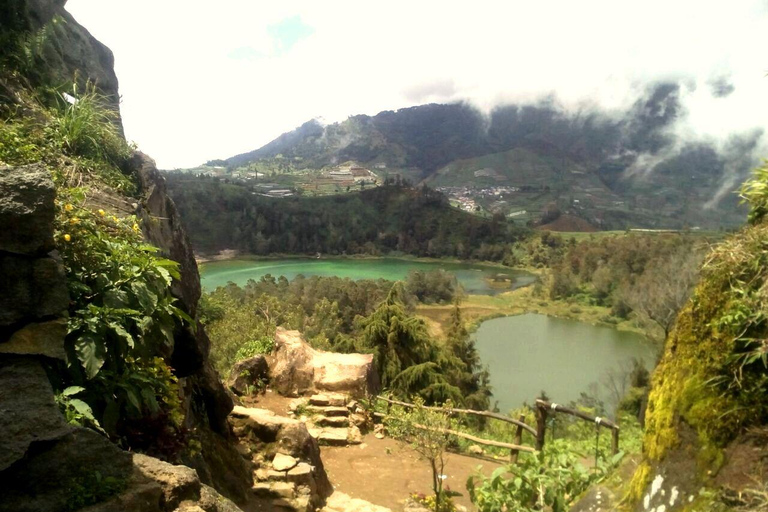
(74, 220)
(101, 212)
(114, 219)
(68, 207)
(67, 238)
(135, 228)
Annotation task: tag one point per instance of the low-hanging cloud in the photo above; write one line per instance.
(185, 101)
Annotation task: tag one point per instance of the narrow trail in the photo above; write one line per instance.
(384, 471)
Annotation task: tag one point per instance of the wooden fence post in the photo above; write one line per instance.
(541, 426)
(518, 440)
(615, 441)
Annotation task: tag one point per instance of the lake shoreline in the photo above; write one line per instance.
(232, 254)
(473, 277)
(477, 309)
(528, 353)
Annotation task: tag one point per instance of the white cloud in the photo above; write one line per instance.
(205, 80)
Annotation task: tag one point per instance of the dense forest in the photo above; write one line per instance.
(369, 316)
(393, 218)
(648, 277)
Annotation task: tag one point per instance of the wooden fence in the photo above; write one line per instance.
(543, 410)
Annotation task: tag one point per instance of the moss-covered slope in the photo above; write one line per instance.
(709, 391)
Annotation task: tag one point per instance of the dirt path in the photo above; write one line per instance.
(383, 471)
(386, 472)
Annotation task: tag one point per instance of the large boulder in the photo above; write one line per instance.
(26, 209)
(65, 473)
(248, 374)
(33, 288)
(28, 412)
(33, 282)
(295, 368)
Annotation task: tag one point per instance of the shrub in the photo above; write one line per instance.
(122, 315)
(84, 125)
(550, 480)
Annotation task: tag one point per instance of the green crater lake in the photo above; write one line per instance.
(529, 353)
(474, 278)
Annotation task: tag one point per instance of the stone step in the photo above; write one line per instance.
(328, 410)
(326, 399)
(283, 462)
(276, 476)
(332, 421)
(274, 490)
(333, 437)
(302, 474)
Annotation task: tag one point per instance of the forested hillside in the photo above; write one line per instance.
(391, 218)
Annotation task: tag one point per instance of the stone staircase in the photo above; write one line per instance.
(286, 483)
(332, 418)
(288, 473)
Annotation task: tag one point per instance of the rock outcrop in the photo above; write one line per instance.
(207, 402)
(295, 369)
(248, 375)
(73, 53)
(288, 472)
(45, 463)
(32, 279)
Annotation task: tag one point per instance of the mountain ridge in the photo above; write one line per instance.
(614, 171)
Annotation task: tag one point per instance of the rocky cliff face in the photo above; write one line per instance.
(46, 463)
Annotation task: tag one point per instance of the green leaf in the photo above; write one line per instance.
(150, 400)
(116, 299)
(133, 399)
(122, 333)
(82, 408)
(72, 390)
(90, 353)
(165, 275)
(498, 472)
(146, 298)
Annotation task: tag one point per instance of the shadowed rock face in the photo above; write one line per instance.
(76, 54)
(39, 451)
(31, 279)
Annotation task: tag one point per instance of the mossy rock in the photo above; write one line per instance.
(703, 395)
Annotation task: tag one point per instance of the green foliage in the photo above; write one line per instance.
(345, 316)
(89, 488)
(75, 410)
(21, 49)
(16, 146)
(755, 193)
(241, 325)
(122, 315)
(86, 126)
(713, 375)
(550, 479)
(385, 220)
(434, 286)
(650, 275)
(407, 360)
(80, 142)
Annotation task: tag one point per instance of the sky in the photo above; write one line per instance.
(201, 80)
